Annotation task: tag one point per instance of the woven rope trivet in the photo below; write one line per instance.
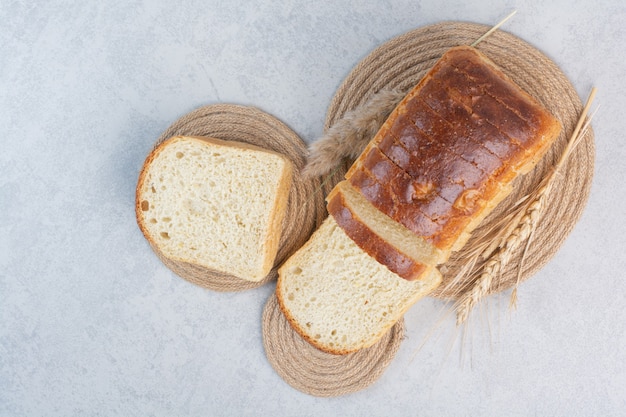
(318, 373)
(401, 62)
(306, 208)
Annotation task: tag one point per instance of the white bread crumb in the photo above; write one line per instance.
(214, 203)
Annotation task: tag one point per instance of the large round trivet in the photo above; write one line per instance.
(318, 373)
(306, 208)
(401, 62)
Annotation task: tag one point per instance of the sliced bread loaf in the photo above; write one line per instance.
(339, 298)
(216, 204)
(443, 159)
(448, 153)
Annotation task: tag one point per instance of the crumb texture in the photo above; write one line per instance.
(339, 297)
(212, 204)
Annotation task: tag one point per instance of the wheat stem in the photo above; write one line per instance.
(493, 29)
(500, 259)
(532, 209)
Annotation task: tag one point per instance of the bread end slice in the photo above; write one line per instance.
(396, 234)
(339, 298)
(213, 203)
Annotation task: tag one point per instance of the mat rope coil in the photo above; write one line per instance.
(305, 209)
(318, 373)
(399, 64)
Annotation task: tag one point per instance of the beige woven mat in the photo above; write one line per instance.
(401, 63)
(318, 373)
(306, 208)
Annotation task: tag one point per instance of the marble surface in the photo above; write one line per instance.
(91, 323)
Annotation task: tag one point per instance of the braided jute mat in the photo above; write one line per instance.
(306, 208)
(318, 373)
(399, 64)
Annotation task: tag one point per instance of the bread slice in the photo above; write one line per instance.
(339, 298)
(374, 245)
(389, 242)
(213, 203)
(382, 226)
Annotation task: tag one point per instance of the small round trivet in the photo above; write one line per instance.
(321, 374)
(401, 62)
(306, 208)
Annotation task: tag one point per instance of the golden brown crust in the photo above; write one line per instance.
(371, 243)
(462, 134)
(275, 229)
(498, 99)
(485, 76)
(416, 205)
(140, 185)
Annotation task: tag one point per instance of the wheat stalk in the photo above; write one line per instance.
(496, 263)
(493, 29)
(529, 214)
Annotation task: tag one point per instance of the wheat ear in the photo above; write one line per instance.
(496, 263)
(532, 209)
(348, 137)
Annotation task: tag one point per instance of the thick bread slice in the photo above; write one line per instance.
(381, 225)
(338, 297)
(216, 204)
(385, 252)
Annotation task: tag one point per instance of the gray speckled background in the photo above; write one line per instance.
(91, 323)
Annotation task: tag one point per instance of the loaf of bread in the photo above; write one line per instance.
(215, 204)
(448, 153)
(444, 158)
